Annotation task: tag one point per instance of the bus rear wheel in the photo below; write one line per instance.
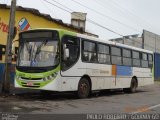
(133, 86)
(83, 88)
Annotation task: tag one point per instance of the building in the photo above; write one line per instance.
(148, 40)
(25, 19)
(132, 40)
(151, 41)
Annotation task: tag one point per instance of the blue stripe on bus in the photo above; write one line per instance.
(124, 70)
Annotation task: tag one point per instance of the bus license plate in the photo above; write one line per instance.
(29, 84)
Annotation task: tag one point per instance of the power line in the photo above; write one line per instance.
(106, 16)
(133, 17)
(62, 5)
(48, 8)
(122, 13)
(130, 12)
(91, 21)
(136, 16)
(57, 6)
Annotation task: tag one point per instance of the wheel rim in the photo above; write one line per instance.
(83, 89)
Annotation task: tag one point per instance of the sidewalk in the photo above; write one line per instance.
(14, 91)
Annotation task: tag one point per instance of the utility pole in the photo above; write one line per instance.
(8, 54)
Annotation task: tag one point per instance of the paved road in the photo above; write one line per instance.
(147, 99)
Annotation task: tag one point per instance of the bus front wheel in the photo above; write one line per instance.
(83, 88)
(133, 86)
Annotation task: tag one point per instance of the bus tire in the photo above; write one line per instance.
(83, 88)
(133, 86)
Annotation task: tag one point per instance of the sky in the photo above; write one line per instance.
(125, 17)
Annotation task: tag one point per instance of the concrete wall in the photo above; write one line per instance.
(136, 42)
(151, 41)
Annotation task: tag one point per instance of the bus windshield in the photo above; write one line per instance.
(38, 53)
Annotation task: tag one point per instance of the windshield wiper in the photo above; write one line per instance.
(29, 49)
(39, 48)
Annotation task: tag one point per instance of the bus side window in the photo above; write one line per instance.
(144, 61)
(73, 45)
(150, 60)
(116, 55)
(103, 54)
(136, 59)
(126, 53)
(89, 51)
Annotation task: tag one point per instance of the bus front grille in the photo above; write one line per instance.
(24, 78)
(34, 85)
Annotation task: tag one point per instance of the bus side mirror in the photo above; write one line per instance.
(66, 52)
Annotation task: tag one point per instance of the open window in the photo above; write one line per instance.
(70, 51)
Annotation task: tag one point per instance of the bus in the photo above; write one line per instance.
(60, 60)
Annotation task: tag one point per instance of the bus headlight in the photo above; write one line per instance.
(47, 78)
(50, 77)
(54, 75)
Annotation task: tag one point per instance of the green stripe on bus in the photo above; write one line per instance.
(36, 75)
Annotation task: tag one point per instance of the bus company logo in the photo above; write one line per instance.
(23, 24)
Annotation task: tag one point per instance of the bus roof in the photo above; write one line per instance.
(96, 39)
(113, 43)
